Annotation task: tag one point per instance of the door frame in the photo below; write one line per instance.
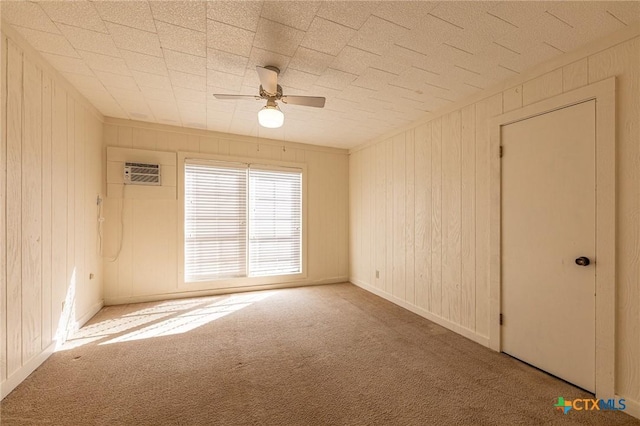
(603, 93)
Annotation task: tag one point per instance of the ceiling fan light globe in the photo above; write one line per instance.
(271, 117)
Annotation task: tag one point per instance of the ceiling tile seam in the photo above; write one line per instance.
(92, 72)
(126, 113)
(425, 70)
(435, 85)
(353, 36)
(337, 23)
(445, 99)
(178, 26)
(304, 72)
(312, 49)
(360, 49)
(502, 19)
(132, 51)
(412, 100)
(83, 75)
(345, 72)
(505, 47)
(96, 53)
(181, 52)
(410, 49)
(280, 23)
(300, 44)
(325, 87)
(457, 48)
(559, 19)
(253, 40)
(185, 72)
(146, 72)
(554, 47)
(361, 87)
(401, 87)
(299, 70)
(508, 69)
(55, 54)
(46, 32)
(473, 85)
(127, 26)
(175, 101)
(391, 22)
(110, 72)
(38, 30)
(260, 48)
(467, 69)
(388, 72)
(228, 24)
(444, 20)
(616, 18)
(57, 23)
(235, 54)
(137, 85)
(116, 75)
(71, 25)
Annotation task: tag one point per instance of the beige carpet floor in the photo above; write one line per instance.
(333, 355)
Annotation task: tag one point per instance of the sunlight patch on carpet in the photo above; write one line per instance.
(164, 319)
(192, 319)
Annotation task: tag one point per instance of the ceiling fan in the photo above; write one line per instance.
(271, 116)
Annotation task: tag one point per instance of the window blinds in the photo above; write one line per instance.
(241, 221)
(215, 222)
(275, 222)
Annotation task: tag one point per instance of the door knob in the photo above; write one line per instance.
(583, 261)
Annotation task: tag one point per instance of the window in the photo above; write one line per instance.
(241, 220)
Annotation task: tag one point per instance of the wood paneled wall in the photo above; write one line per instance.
(51, 177)
(420, 207)
(146, 267)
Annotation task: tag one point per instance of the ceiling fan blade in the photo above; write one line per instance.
(268, 79)
(236, 97)
(312, 101)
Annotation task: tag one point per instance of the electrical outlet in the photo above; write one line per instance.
(377, 274)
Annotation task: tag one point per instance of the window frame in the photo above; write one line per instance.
(247, 281)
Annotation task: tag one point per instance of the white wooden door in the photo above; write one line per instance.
(548, 221)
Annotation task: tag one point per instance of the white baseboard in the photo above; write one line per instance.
(23, 372)
(469, 334)
(633, 407)
(90, 313)
(109, 301)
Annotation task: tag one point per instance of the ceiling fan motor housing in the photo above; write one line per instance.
(267, 95)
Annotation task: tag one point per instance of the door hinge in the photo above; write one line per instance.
(501, 151)
(501, 319)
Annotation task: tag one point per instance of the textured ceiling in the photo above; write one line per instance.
(380, 65)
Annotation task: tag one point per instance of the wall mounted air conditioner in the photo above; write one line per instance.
(141, 174)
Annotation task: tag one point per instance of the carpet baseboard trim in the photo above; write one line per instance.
(214, 292)
(633, 407)
(90, 313)
(456, 328)
(23, 372)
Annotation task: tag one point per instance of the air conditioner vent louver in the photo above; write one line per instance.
(141, 174)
